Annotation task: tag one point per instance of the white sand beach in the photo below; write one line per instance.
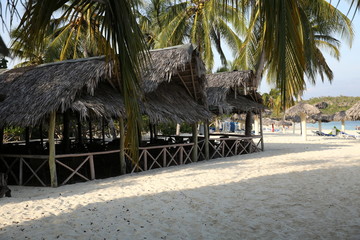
(292, 190)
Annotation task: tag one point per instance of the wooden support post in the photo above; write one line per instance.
(294, 127)
(52, 163)
(92, 168)
(261, 132)
(217, 125)
(122, 147)
(21, 168)
(177, 129)
(155, 131)
(343, 125)
(248, 124)
(303, 126)
(206, 133)
(320, 129)
(256, 124)
(195, 141)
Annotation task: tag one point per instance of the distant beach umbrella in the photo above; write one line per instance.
(303, 110)
(284, 123)
(354, 112)
(320, 117)
(341, 116)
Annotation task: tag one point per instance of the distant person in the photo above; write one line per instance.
(232, 127)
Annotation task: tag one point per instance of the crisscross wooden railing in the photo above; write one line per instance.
(23, 168)
(163, 156)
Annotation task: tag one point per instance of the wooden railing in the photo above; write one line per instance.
(24, 168)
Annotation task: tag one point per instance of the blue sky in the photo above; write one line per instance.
(346, 71)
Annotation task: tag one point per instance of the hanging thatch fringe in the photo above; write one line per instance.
(221, 89)
(28, 94)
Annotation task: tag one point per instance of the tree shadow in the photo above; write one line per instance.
(314, 204)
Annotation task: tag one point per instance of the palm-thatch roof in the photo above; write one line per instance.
(227, 92)
(28, 94)
(340, 116)
(181, 64)
(268, 121)
(354, 112)
(320, 117)
(283, 123)
(302, 108)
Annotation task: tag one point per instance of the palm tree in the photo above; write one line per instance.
(79, 36)
(284, 39)
(202, 22)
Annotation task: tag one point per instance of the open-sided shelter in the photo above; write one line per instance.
(173, 85)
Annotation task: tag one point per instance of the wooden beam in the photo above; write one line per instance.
(193, 81)
(182, 80)
(122, 147)
(52, 165)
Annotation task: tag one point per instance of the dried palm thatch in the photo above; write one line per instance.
(283, 123)
(268, 121)
(296, 119)
(354, 112)
(320, 117)
(302, 108)
(226, 92)
(181, 64)
(33, 92)
(158, 105)
(340, 116)
(28, 94)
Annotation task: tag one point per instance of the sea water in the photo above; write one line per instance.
(350, 125)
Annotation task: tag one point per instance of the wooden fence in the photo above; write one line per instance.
(25, 169)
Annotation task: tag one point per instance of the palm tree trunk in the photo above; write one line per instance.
(122, 147)
(260, 68)
(248, 124)
(52, 163)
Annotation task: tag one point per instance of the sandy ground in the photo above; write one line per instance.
(292, 190)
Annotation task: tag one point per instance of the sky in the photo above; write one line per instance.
(346, 71)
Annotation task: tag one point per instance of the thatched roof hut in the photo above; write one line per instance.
(354, 112)
(231, 92)
(28, 94)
